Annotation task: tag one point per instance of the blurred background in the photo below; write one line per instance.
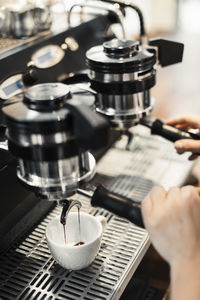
(178, 88)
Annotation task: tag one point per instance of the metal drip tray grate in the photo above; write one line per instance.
(150, 157)
(29, 271)
(133, 187)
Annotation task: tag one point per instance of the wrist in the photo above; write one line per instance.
(185, 263)
(185, 274)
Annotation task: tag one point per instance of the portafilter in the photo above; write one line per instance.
(122, 73)
(50, 133)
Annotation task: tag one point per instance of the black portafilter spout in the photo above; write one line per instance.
(67, 205)
(115, 203)
(169, 132)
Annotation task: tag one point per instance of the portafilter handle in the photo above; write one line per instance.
(120, 205)
(168, 132)
(168, 52)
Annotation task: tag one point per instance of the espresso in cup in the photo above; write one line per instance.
(81, 245)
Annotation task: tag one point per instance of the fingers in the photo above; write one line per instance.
(160, 202)
(152, 203)
(198, 190)
(146, 207)
(185, 121)
(189, 192)
(183, 127)
(187, 145)
(173, 194)
(158, 195)
(189, 202)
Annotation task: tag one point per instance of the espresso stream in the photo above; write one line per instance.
(63, 222)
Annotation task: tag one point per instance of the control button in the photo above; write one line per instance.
(72, 43)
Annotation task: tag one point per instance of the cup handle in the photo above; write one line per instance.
(103, 221)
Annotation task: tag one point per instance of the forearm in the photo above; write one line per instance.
(185, 280)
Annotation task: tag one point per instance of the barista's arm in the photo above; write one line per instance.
(185, 279)
(173, 221)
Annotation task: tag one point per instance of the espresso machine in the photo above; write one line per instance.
(54, 129)
(51, 146)
(122, 73)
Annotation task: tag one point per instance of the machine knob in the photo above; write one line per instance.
(30, 77)
(122, 48)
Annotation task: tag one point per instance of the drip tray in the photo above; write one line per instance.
(30, 272)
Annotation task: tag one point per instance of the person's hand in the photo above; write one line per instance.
(173, 221)
(186, 123)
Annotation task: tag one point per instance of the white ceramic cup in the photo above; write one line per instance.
(66, 254)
